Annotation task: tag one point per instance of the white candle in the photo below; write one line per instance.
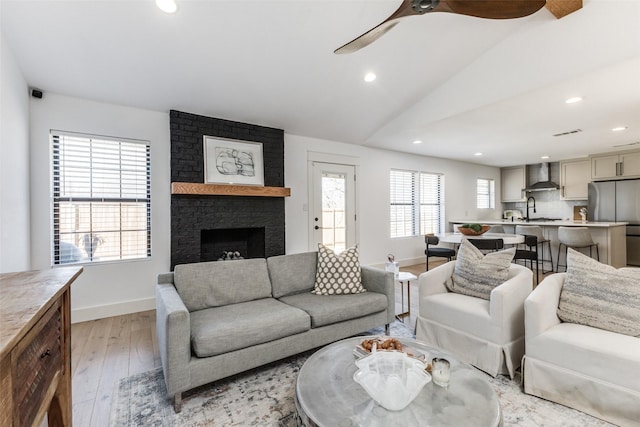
(440, 371)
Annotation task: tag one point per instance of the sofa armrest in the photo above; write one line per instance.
(174, 338)
(381, 281)
(506, 303)
(542, 305)
(432, 282)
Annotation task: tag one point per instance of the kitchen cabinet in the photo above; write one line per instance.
(615, 166)
(514, 179)
(575, 176)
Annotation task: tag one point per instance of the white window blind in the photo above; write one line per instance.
(430, 203)
(101, 199)
(416, 203)
(486, 194)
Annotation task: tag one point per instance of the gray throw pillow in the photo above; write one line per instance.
(338, 274)
(599, 295)
(477, 274)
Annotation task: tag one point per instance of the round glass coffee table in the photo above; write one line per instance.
(327, 395)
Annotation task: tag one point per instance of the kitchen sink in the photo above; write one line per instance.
(545, 219)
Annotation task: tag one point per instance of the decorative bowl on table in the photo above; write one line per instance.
(473, 229)
(391, 378)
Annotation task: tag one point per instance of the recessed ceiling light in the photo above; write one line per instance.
(417, 141)
(573, 100)
(369, 77)
(619, 128)
(477, 154)
(168, 6)
(545, 157)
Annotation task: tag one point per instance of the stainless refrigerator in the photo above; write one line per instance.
(618, 201)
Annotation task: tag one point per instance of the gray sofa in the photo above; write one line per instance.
(216, 319)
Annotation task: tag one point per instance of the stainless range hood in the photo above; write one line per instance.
(544, 182)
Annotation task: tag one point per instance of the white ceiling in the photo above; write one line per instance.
(460, 84)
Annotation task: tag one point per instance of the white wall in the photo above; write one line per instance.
(14, 164)
(108, 289)
(373, 193)
(116, 288)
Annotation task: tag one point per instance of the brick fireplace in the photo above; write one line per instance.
(204, 226)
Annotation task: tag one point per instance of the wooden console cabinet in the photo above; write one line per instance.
(35, 347)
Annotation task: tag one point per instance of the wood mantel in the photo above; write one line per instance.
(194, 188)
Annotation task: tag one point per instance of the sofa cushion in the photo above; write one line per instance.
(292, 274)
(213, 284)
(476, 274)
(608, 356)
(338, 274)
(329, 309)
(220, 330)
(599, 295)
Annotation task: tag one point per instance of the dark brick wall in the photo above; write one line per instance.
(191, 214)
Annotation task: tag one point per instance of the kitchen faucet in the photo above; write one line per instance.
(534, 206)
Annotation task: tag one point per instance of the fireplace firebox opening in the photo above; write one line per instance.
(241, 242)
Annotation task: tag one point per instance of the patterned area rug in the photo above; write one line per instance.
(264, 397)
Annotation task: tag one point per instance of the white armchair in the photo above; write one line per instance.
(488, 334)
(590, 369)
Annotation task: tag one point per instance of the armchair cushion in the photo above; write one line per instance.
(601, 296)
(338, 274)
(477, 274)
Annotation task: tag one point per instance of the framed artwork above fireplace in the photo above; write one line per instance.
(231, 161)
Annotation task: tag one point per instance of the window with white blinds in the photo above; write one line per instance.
(101, 199)
(486, 194)
(416, 203)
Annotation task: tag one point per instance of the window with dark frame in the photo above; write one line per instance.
(101, 193)
(416, 203)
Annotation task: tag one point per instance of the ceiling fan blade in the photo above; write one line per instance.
(493, 9)
(379, 30)
(561, 8)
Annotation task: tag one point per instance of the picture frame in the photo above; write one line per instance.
(231, 161)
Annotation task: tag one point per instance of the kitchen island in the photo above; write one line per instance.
(610, 236)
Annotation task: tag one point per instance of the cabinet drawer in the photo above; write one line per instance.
(36, 360)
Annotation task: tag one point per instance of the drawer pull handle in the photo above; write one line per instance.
(45, 354)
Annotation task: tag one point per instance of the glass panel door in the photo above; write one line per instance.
(333, 214)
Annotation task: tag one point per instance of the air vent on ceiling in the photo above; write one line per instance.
(628, 144)
(568, 132)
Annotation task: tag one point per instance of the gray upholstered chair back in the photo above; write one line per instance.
(575, 237)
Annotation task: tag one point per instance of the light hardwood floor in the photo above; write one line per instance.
(105, 350)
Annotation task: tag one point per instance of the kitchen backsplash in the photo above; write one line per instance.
(548, 204)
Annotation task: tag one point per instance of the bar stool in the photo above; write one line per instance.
(530, 254)
(430, 251)
(576, 238)
(536, 230)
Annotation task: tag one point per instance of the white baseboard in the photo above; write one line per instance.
(109, 310)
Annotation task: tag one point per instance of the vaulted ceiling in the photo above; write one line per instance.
(459, 84)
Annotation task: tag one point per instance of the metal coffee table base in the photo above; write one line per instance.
(327, 395)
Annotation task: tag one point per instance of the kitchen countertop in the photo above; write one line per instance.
(554, 223)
